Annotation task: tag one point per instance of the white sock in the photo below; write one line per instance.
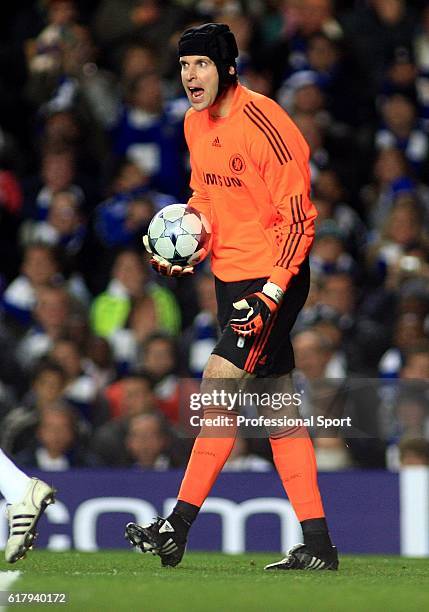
(13, 482)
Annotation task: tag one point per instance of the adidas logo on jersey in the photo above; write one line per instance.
(216, 142)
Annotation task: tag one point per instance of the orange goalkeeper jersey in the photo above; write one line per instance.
(250, 176)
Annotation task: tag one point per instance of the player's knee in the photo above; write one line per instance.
(219, 367)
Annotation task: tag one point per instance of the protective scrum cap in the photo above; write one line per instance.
(216, 41)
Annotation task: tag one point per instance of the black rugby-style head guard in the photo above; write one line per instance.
(216, 41)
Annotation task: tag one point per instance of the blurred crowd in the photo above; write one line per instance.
(93, 344)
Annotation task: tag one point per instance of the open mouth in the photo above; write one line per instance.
(197, 93)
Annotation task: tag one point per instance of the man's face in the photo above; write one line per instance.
(137, 398)
(129, 270)
(52, 307)
(339, 293)
(39, 265)
(56, 432)
(416, 367)
(145, 440)
(48, 386)
(200, 80)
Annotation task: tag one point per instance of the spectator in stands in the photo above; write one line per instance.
(318, 16)
(45, 52)
(414, 299)
(410, 421)
(95, 89)
(46, 389)
(403, 233)
(160, 360)
(122, 219)
(132, 394)
(325, 57)
(416, 365)
(128, 341)
(330, 200)
(400, 130)
(149, 20)
(412, 413)
(147, 442)
(197, 342)
(302, 95)
(56, 445)
(372, 30)
(127, 177)
(81, 388)
(405, 291)
(129, 282)
(150, 132)
(50, 314)
(364, 339)
(392, 177)
(400, 75)
(327, 324)
(66, 125)
(98, 361)
(299, 22)
(39, 267)
(303, 20)
(409, 329)
(128, 397)
(136, 58)
(315, 137)
(329, 186)
(58, 173)
(313, 351)
(64, 225)
(329, 253)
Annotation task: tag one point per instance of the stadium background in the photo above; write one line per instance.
(93, 344)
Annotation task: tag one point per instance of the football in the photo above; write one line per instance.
(180, 234)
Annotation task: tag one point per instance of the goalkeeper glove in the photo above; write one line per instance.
(252, 314)
(164, 267)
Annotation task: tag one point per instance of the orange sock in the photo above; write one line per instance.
(208, 457)
(295, 461)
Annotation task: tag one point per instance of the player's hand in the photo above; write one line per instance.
(164, 267)
(252, 314)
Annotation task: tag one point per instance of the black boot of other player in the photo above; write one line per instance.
(300, 557)
(160, 538)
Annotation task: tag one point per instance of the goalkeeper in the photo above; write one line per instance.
(250, 176)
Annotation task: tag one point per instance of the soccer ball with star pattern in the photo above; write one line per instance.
(180, 234)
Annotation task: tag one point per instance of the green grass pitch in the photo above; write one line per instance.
(112, 580)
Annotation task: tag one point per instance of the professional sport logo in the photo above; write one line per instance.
(237, 164)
